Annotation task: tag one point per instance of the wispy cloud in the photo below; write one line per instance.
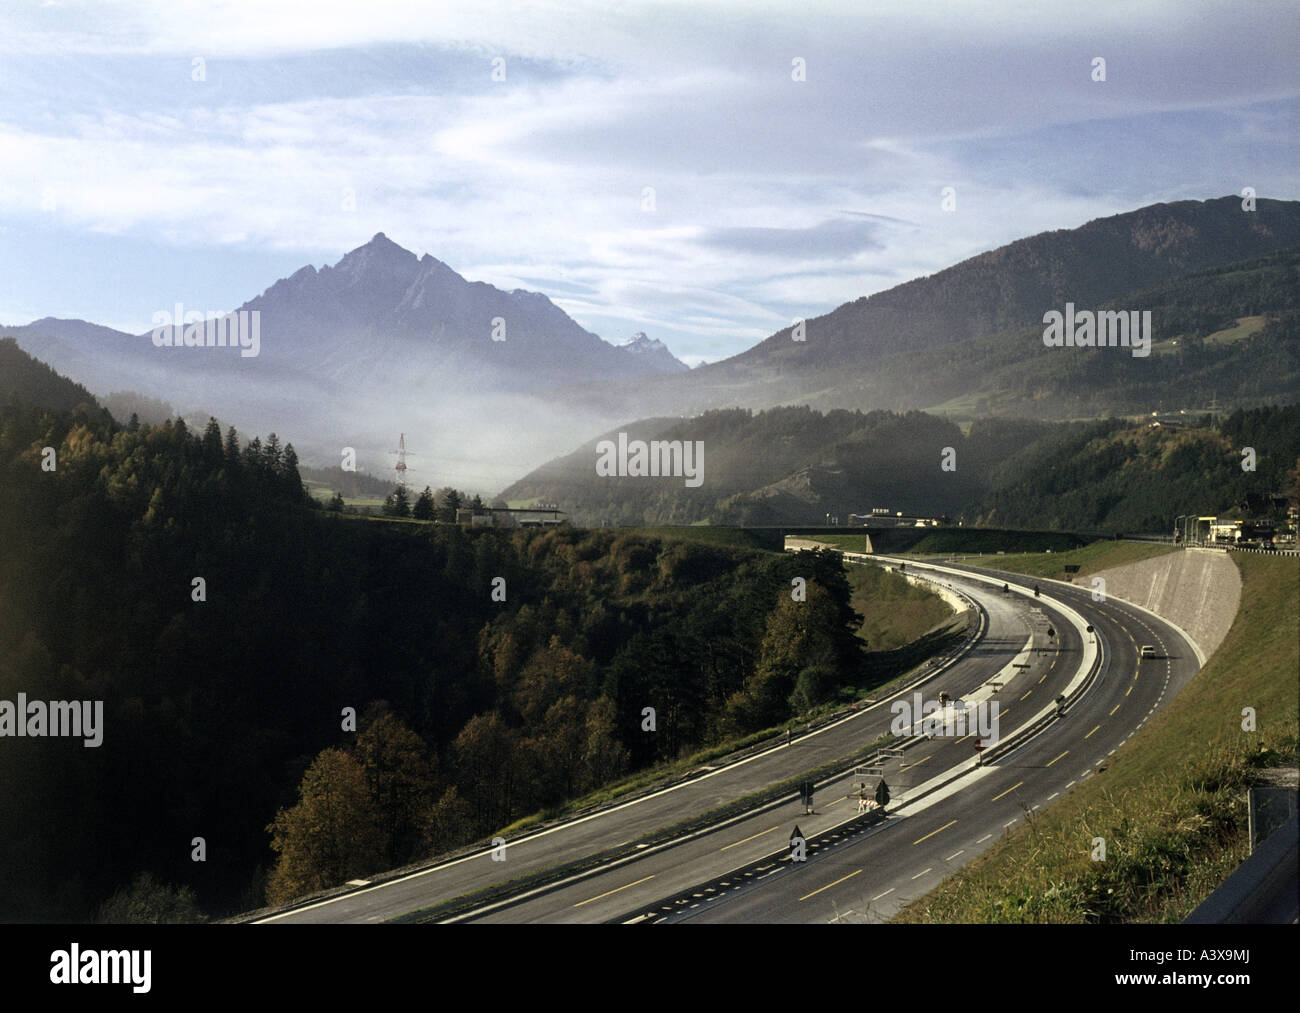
(651, 166)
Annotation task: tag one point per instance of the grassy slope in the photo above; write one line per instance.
(1171, 802)
(895, 612)
(950, 540)
(1090, 559)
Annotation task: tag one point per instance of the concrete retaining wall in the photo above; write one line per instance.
(1198, 589)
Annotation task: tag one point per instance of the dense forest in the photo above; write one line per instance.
(228, 625)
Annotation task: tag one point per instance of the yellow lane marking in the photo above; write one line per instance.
(1050, 762)
(1040, 681)
(1026, 694)
(1113, 710)
(616, 890)
(1089, 735)
(963, 738)
(1128, 691)
(747, 839)
(829, 885)
(933, 832)
(909, 766)
(1009, 790)
(835, 803)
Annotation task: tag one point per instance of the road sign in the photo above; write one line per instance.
(882, 794)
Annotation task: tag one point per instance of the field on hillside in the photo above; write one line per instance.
(1089, 559)
(1171, 804)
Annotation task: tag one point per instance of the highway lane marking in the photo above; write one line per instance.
(1113, 710)
(963, 738)
(1009, 790)
(920, 874)
(836, 802)
(829, 885)
(1052, 795)
(1130, 690)
(1005, 825)
(1071, 784)
(1040, 681)
(1050, 762)
(909, 766)
(933, 832)
(1030, 691)
(955, 854)
(747, 839)
(984, 838)
(1089, 735)
(615, 890)
(885, 894)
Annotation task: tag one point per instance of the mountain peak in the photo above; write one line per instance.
(652, 350)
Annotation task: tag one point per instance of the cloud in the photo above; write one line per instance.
(319, 125)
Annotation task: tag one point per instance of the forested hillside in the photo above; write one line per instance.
(226, 625)
(795, 466)
(29, 381)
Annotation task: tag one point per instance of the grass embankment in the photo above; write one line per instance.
(896, 612)
(1171, 803)
(947, 541)
(1089, 559)
(962, 540)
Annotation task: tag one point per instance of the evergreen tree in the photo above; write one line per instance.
(134, 425)
(423, 509)
(397, 504)
(289, 473)
(272, 455)
(232, 445)
(212, 441)
(449, 501)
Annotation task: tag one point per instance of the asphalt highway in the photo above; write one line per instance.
(1009, 627)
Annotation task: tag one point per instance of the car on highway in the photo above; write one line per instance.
(1148, 651)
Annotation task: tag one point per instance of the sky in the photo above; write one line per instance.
(705, 172)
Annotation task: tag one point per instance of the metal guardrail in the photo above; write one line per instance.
(1262, 890)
